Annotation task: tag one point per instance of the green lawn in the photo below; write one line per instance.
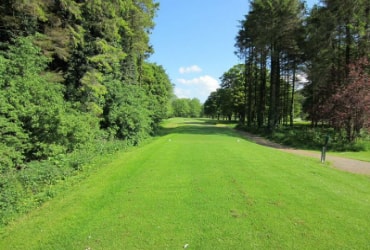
(202, 185)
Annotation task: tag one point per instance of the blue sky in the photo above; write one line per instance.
(194, 41)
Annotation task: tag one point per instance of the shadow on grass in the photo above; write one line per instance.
(200, 127)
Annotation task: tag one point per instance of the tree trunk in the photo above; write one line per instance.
(274, 109)
(249, 83)
(348, 47)
(292, 97)
(262, 94)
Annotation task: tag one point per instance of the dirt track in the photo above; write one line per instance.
(345, 164)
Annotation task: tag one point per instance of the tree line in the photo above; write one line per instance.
(280, 40)
(186, 107)
(73, 72)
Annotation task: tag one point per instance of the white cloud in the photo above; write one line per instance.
(182, 93)
(199, 87)
(302, 78)
(190, 69)
(204, 82)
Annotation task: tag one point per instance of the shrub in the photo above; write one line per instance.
(10, 196)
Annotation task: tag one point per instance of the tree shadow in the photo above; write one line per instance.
(201, 127)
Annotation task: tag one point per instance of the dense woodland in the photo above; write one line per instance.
(280, 40)
(73, 76)
(73, 72)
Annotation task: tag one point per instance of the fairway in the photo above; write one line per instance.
(202, 186)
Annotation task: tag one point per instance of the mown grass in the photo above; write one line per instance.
(201, 184)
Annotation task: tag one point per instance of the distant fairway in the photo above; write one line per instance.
(203, 186)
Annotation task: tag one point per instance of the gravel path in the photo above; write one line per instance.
(345, 164)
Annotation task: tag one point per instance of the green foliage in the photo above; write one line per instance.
(159, 90)
(92, 91)
(338, 39)
(12, 136)
(185, 107)
(28, 101)
(77, 129)
(37, 123)
(11, 191)
(304, 136)
(126, 115)
(212, 105)
(181, 107)
(230, 99)
(195, 108)
(298, 104)
(39, 181)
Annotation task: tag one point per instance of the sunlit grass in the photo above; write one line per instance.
(204, 186)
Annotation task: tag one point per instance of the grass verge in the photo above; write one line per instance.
(303, 136)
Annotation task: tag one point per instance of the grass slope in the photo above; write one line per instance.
(204, 186)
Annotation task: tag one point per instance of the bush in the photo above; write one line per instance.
(10, 196)
(129, 117)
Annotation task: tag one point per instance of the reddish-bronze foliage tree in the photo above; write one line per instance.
(349, 107)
